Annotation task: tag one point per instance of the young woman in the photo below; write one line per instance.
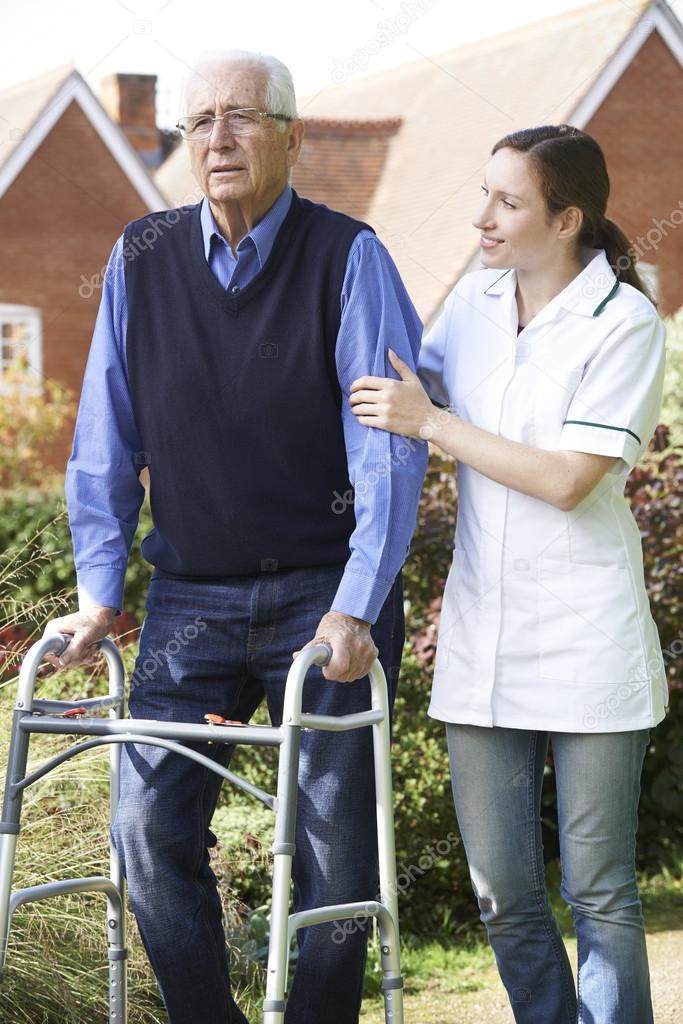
(550, 363)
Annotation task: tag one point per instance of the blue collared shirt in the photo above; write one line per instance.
(102, 486)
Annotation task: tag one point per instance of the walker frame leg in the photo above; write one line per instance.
(10, 826)
(283, 853)
(34, 716)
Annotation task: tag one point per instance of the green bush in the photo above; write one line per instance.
(672, 405)
(37, 562)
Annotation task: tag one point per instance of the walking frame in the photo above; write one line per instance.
(71, 717)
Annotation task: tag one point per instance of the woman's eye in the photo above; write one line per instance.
(509, 205)
(484, 190)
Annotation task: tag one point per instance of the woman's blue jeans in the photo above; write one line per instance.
(497, 774)
(221, 647)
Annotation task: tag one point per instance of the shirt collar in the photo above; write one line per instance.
(262, 235)
(586, 295)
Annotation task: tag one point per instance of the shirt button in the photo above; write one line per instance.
(523, 352)
(235, 289)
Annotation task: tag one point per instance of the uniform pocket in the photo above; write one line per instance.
(590, 630)
(553, 395)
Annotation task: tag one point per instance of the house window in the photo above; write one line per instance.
(21, 344)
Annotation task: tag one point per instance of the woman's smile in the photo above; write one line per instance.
(487, 242)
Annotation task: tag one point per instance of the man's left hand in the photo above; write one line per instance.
(353, 650)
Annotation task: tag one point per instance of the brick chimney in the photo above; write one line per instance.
(130, 101)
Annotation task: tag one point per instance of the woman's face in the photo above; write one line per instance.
(515, 227)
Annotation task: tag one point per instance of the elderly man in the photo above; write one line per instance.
(222, 359)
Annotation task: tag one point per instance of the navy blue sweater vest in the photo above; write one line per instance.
(236, 397)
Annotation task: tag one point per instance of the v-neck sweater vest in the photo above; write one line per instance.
(236, 397)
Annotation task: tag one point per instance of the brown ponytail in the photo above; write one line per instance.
(620, 254)
(571, 169)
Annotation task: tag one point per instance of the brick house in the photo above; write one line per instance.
(414, 171)
(614, 70)
(402, 149)
(70, 178)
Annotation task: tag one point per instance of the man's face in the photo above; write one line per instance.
(243, 167)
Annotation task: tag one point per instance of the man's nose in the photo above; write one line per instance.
(220, 137)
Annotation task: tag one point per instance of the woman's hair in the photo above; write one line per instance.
(571, 170)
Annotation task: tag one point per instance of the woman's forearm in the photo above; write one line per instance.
(563, 478)
(555, 477)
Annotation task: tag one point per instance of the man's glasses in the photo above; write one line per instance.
(244, 121)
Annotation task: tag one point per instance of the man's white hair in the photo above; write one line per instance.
(280, 97)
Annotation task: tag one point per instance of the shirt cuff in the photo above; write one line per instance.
(599, 439)
(361, 596)
(100, 585)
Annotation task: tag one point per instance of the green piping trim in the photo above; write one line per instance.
(604, 426)
(486, 290)
(598, 309)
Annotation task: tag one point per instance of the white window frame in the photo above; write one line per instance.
(32, 318)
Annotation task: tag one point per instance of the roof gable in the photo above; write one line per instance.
(30, 111)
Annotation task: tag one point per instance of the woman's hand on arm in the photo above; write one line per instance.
(561, 478)
(399, 406)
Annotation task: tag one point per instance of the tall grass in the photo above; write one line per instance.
(57, 971)
(57, 968)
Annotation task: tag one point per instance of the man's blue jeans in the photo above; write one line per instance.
(497, 775)
(220, 646)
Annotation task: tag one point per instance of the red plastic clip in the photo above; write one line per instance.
(219, 720)
(74, 712)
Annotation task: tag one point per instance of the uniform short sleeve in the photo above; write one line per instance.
(616, 406)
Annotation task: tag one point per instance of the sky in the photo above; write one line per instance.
(323, 43)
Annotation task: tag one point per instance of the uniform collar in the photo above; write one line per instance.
(262, 235)
(587, 294)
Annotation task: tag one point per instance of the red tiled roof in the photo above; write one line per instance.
(341, 162)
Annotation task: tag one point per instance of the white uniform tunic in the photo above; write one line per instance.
(545, 621)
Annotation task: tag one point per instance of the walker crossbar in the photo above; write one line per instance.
(153, 741)
(33, 715)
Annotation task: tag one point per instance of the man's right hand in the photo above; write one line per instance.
(86, 628)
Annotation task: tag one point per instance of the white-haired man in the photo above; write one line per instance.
(222, 359)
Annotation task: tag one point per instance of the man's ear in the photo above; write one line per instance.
(294, 142)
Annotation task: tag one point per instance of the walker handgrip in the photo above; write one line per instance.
(57, 643)
(328, 649)
(66, 639)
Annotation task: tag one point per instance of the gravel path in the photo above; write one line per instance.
(489, 1003)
